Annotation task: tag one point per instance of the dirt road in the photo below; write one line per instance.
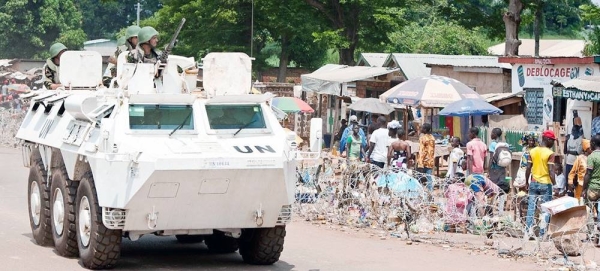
(307, 246)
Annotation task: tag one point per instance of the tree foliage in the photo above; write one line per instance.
(226, 26)
(591, 14)
(30, 27)
(103, 19)
(438, 38)
(355, 24)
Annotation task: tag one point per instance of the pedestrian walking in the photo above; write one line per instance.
(380, 141)
(476, 152)
(577, 174)
(425, 160)
(591, 183)
(541, 177)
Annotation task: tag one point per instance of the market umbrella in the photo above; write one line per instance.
(470, 107)
(372, 105)
(21, 88)
(429, 91)
(291, 105)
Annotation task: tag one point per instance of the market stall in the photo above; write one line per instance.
(430, 93)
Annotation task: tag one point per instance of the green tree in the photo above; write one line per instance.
(290, 25)
(483, 14)
(30, 27)
(591, 14)
(355, 24)
(438, 38)
(210, 25)
(105, 18)
(281, 28)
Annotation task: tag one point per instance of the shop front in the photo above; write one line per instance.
(582, 95)
(547, 100)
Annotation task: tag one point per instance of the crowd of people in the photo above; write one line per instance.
(9, 97)
(483, 168)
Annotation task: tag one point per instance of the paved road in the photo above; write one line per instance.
(307, 247)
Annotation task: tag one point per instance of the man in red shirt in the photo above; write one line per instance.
(476, 152)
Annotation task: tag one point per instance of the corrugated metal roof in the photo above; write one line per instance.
(6, 62)
(104, 51)
(493, 97)
(330, 82)
(588, 83)
(96, 41)
(372, 59)
(330, 67)
(415, 65)
(550, 48)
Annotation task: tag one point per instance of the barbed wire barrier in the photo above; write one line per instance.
(396, 203)
(10, 121)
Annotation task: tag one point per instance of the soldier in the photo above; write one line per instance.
(111, 68)
(51, 68)
(131, 37)
(145, 52)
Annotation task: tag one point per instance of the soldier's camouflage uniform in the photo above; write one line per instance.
(120, 49)
(50, 74)
(137, 56)
(113, 70)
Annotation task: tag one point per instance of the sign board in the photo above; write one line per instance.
(576, 94)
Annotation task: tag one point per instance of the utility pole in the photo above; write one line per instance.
(252, 30)
(138, 6)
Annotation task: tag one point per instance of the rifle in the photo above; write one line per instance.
(165, 54)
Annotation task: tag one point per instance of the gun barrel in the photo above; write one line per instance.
(174, 38)
(169, 47)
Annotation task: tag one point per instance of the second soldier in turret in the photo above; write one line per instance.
(131, 41)
(145, 52)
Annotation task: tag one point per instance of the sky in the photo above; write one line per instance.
(597, 2)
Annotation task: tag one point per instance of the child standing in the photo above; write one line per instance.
(559, 188)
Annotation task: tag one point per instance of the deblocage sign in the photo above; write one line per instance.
(539, 76)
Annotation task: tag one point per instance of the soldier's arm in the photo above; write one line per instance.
(113, 59)
(131, 57)
(49, 79)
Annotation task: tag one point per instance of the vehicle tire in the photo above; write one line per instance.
(189, 239)
(219, 243)
(262, 246)
(99, 247)
(38, 197)
(62, 196)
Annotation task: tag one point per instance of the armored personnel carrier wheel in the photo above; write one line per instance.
(99, 247)
(38, 196)
(189, 239)
(219, 243)
(262, 246)
(63, 193)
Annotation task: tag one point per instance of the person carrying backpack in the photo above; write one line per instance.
(500, 159)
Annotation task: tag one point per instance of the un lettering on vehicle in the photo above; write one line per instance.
(251, 149)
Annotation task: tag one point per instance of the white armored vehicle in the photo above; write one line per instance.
(153, 157)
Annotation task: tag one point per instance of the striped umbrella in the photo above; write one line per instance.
(291, 105)
(429, 91)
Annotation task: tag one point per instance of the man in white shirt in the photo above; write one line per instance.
(380, 141)
(455, 157)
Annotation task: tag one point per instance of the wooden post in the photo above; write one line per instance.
(335, 117)
(406, 108)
